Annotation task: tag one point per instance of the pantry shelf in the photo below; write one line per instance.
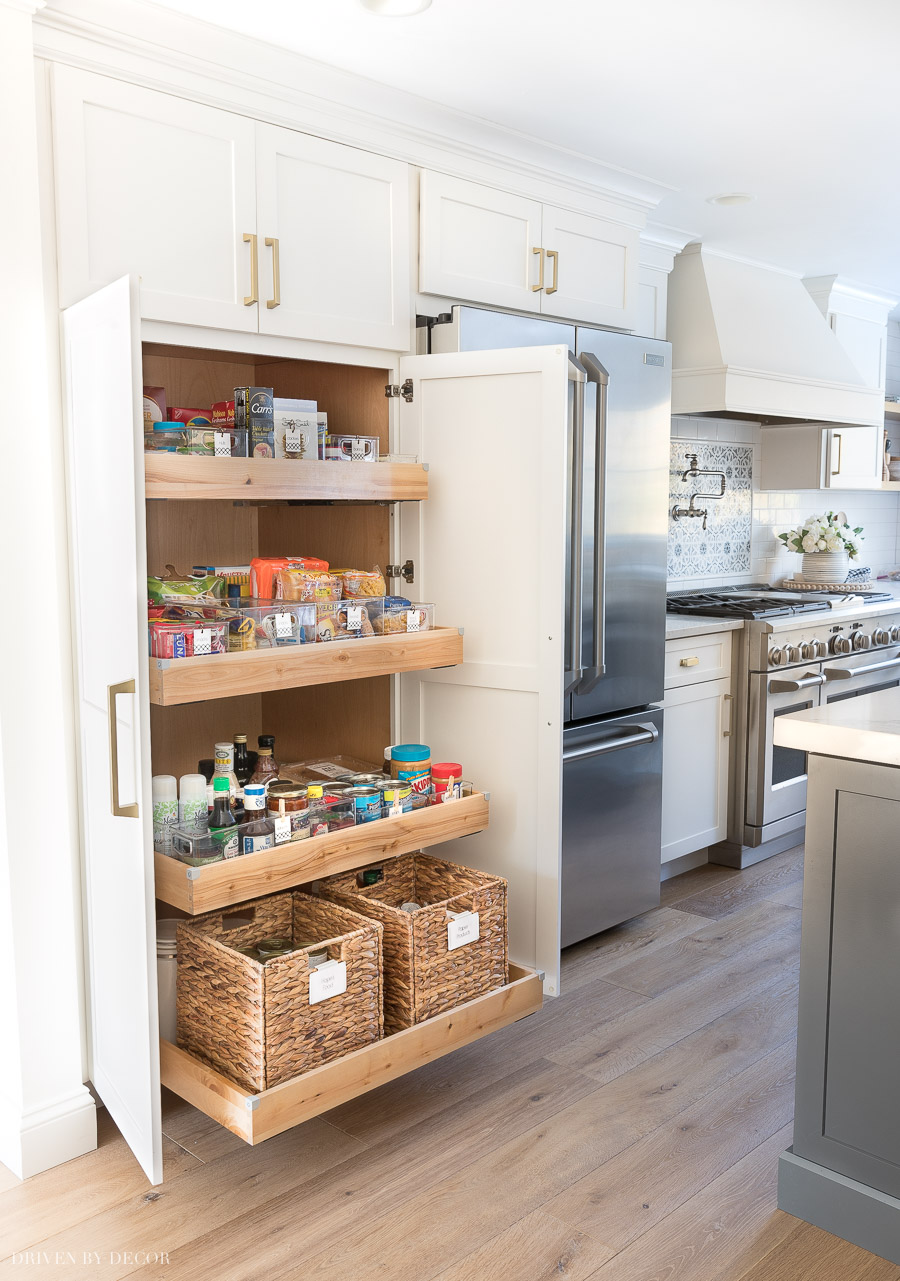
(273, 479)
(196, 680)
(204, 889)
(255, 1117)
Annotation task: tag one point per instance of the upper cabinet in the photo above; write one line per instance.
(229, 223)
(484, 245)
(816, 456)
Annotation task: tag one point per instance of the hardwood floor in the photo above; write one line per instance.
(628, 1132)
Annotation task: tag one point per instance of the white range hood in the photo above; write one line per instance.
(749, 341)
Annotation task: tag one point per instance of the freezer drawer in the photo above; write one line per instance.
(611, 822)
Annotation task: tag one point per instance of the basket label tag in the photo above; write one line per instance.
(282, 829)
(412, 620)
(203, 641)
(354, 618)
(328, 979)
(222, 445)
(461, 930)
(284, 623)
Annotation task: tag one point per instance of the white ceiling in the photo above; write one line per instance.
(795, 101)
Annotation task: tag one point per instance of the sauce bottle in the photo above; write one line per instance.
(222, 823)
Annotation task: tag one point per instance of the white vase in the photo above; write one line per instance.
(825, 567)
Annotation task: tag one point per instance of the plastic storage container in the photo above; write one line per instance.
(396, 615)
(345, 619)
(186, 638)
(269, 624)
(217, 442)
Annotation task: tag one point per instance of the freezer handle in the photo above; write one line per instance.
(640, 735)
(597, 374)
(574, 654)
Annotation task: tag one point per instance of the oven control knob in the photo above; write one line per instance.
(809, 649)
(860, 641)
(881, 636)
(776, 657)
(793, 653)
(821, 649)
(895, 634)
(841, 644)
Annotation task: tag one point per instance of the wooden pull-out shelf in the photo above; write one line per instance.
(234, 880)
(276, 479)
(196, 680)
(255, 1117)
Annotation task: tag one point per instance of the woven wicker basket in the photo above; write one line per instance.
(421, 976)
(254, 1022)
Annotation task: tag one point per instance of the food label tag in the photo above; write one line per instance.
(412, 620)
(203, 640)
(326, 980)
(282, 829)
(354, 618)
(284, 624)
(222, 446)
(461, 930)
(294, 439)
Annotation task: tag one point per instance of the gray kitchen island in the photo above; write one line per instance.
(843, 1171)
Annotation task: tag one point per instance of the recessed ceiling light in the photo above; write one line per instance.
(395, 8)
(730, 198)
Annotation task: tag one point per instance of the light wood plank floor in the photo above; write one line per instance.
(629, 1132)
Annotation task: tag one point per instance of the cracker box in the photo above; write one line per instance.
(223, 414)
(154, 406)
(189, 417)
(296, 430)
(254, 413)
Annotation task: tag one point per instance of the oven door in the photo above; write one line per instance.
(776, 776)
(861, 673)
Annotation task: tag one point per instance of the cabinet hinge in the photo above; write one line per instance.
(404, 389)
(406, 571)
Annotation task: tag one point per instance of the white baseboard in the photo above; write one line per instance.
(686, 863)
(37, 1140)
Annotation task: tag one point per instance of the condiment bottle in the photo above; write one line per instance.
(258, 831)
(193, 810)
(225, 768)
(266, 767)
(165, 811)
(222, 823)
(242, 769)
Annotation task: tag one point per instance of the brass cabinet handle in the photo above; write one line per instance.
(836, 436)
(726, 733)
(119, 811)
(275, 300)
(689, 662)
(253, 296)
(536, 289)
(554, 254)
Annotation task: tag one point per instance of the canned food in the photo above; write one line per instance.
(395, 796)
(248, 950)
(367, 780)
(336, 791)
(366, 802)
(270, 947)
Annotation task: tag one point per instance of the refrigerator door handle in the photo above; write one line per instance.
(597, 374)
(641, 734)
(574, 655)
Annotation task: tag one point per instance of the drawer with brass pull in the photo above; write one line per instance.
(691, 659)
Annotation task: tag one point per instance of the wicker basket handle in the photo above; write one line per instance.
(234, 920)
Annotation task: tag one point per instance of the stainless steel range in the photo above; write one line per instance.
(795, 651)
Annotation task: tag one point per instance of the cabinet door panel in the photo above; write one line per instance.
(695, 768)
(597, 269)
(156, 186)
(476, 242)
(341, 219)
(853, 457)
(104, 428)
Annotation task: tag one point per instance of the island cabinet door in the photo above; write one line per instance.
(489, 547)
(847, 1118)
(102, 369)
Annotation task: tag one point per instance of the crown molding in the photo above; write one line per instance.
(30, 7)
(148, 45)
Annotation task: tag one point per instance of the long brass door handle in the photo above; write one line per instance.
(554, 254)
(536, 289)
(275, 300)
(726, 733)
(112, 691)
(253, 296)
(836, 436)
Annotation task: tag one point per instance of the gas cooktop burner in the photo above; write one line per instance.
(718, 605)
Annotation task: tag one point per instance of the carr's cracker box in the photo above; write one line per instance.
(254, 413)
(296, 431)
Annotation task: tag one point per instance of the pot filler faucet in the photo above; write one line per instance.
(692, 473)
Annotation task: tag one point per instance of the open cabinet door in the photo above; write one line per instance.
(489, 548)
(101, 339)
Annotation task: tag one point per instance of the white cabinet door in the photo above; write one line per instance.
(104, 429)
(489, 546)
(591, 272)
(156, 186)
(695, 767)
(853, 458)
(340, 218)
(477, 243)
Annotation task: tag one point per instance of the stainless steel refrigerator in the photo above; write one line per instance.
(618, 456)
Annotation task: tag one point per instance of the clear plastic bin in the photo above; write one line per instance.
(351, 449)
(217, 442)
(166, 438)
(186, 637)
(270, 624)
(395, 614)
(331, 816)
(345, 619)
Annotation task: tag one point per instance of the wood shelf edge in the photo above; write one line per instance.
(191, 477)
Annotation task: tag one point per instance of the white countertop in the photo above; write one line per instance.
(684, 625)
(842, 613)
(863, 729)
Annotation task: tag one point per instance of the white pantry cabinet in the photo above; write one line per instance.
(699, 714)
(815, 456)
(230, 223)
(482, 244)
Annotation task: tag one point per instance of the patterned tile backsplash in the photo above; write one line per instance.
(724, 546)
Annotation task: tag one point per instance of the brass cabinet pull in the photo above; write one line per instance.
(253, 296)
(554, 254)
(536, 289)
(836, 436)
(726, 733)
(689, 662)
(119, 811)
(275, 300)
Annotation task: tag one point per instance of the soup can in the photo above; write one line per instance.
(366, 802)
(367, 780)
(396, 796)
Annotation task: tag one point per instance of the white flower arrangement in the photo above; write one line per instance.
(826, 533)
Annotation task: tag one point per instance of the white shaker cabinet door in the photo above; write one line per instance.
(853, 457)
(159, 187)
(334, 241)
(477, 243)
(695, 767)
(104, 428)
(591, 272)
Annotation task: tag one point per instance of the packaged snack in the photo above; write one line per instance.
(351, 449)
(343, 619)
(190, 417)
(183, 589)
(268, 624)
(215, 443)
(263, 569)
(222, 413)
(154, 406)
(186, 638)
(296, 433)
(254, 413)
(361, 582)
(296, 583)
(396, 614)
